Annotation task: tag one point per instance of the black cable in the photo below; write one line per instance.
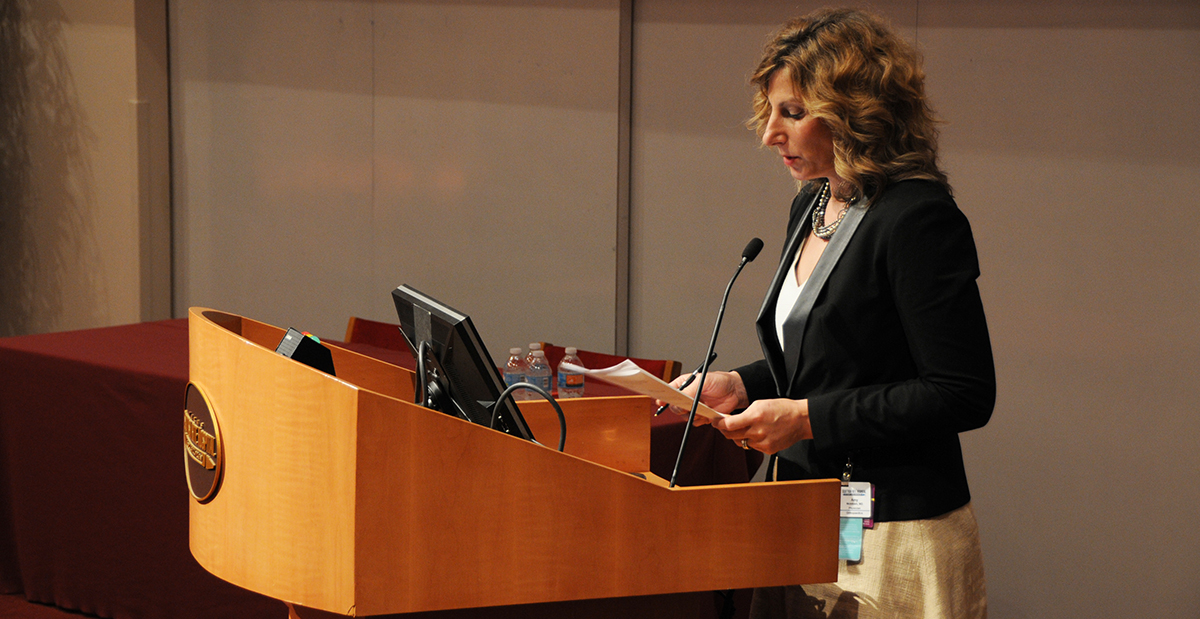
(422, 384)
(728, 606)
(507, 393)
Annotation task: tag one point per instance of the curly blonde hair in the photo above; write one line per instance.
(866, 84)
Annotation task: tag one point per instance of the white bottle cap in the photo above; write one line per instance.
(514, 351)
(535, 346)
(571, 350)
(539, 353)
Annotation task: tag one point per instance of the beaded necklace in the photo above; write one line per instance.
(818, 216)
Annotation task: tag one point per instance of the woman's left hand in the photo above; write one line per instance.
(768, 425)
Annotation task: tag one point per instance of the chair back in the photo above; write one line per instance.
(387, 336)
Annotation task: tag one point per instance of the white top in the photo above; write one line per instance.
(789, 293)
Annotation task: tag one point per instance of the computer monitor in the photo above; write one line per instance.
(459, 377)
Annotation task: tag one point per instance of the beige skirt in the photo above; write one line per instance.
(918, 568)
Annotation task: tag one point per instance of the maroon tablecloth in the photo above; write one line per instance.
(94, 503)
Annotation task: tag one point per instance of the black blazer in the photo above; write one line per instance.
(889, 344)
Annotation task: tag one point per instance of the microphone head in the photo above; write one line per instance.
(752, 248)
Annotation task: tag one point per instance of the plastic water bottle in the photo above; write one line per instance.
(538, 372)
(514, 372)
(570, 384)
(529, 357)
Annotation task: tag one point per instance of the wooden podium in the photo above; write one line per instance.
(339, 494)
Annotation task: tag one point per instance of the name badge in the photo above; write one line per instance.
(856, 499)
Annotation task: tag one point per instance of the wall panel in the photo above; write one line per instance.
(272, 158)
(71, 209)
(496, 163)
(1072, 147)
(329, 151)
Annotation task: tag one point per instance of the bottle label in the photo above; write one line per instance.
(570, 380)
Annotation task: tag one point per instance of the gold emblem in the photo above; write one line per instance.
(198, 443)
(202, 453)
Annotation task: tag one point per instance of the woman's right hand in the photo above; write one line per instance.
(723, 392)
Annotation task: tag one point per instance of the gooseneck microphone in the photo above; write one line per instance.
(748, 255)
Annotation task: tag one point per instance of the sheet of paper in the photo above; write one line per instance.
(627, 374)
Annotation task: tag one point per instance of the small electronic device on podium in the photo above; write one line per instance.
(306, 349)
(455, 373)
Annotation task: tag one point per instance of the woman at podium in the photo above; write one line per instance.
(876, 350)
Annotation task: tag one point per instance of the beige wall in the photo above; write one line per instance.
(1073, 144)
(326, 152)
(86, 193)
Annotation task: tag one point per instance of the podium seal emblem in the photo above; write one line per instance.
(203, 453)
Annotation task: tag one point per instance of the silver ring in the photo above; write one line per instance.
(745, 444)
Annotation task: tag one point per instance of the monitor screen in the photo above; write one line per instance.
(459, 375)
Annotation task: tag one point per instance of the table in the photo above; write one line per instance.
(94, 503)
(96, 512)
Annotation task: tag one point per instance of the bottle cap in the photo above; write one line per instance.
(535, 346)
(514, 351)
(572, 350)
(539, 353)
